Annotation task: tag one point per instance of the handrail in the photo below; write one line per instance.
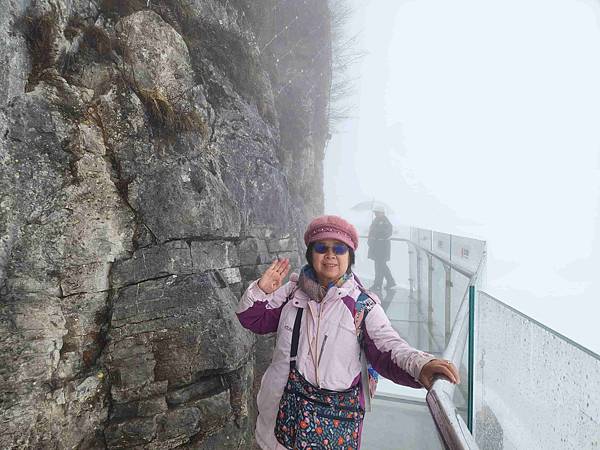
(455, 432)
(439, 397)
(463, 271)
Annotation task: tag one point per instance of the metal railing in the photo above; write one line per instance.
(455, 432)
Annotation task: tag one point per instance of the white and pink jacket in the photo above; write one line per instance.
(328, 350)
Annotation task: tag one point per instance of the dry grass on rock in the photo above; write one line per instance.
(40, 34)
(98, 39)
(165, 115)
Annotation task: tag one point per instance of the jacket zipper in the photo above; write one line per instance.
(317, 343)
(322, 348)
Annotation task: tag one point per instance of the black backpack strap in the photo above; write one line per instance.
(295, 338)
(290, 295)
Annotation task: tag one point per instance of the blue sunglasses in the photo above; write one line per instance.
(338, 249)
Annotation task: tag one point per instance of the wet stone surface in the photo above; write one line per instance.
(153, 161)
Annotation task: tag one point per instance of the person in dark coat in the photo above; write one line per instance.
(380, 232)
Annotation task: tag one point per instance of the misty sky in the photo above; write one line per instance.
(482, 119)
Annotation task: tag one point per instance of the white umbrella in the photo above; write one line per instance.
(370, 204)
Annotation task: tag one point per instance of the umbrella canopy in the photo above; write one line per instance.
(370, 204)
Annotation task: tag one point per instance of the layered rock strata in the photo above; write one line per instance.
(155, 156)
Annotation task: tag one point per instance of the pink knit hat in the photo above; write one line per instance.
(331, 227)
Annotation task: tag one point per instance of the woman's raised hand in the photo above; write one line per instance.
(273, 277)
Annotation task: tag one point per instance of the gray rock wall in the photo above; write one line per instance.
(154, 158)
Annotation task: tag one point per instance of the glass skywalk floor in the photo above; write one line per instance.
(400, 425)
(400, 418)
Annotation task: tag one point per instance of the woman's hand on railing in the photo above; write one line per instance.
(435, 368)
(273, 277)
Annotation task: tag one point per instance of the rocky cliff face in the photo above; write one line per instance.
(154, 156)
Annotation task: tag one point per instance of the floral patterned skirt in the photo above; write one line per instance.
(311, 418)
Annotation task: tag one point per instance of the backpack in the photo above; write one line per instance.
(369, 375)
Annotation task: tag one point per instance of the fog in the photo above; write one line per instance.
(483, 119)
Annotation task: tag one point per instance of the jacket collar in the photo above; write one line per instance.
(308, 284)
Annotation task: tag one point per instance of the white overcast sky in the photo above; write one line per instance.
(482, 118)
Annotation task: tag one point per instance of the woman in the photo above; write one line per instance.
(311, 396)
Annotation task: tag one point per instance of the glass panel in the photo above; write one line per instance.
(402, 309)
(441, 244)
(398, 263)
(412, 270)
(402, 231)
(461, 392)
(396, 404)
(460, 285)
(425, 239)
(423, 311)
(438, 305)
(533, 387)
(363, 266)
(414, 235)
(425, 305)
(467, 252)
(423, 281)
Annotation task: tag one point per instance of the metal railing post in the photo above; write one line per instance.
(471, 356)
(411, 281)
(448, 304)
(430, 298)
(419, 278)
